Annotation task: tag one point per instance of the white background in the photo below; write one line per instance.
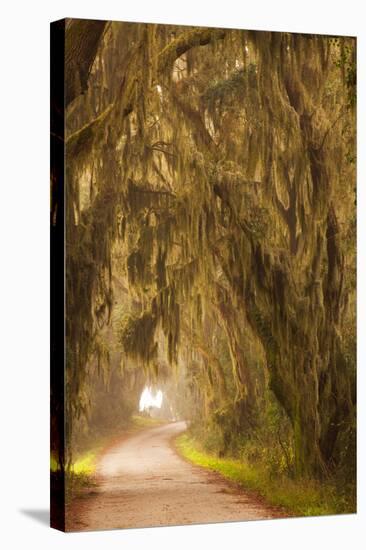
(24, 271)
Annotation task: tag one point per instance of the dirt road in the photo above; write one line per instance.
(142, 482)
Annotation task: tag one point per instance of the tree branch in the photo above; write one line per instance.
(82, 39)
(186, 41)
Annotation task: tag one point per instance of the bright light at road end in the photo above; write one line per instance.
(149, 399)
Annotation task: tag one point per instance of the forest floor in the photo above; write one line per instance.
(141, 481)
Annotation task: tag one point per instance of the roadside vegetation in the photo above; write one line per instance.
(298, 497)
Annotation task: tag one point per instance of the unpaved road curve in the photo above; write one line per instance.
(142, 482)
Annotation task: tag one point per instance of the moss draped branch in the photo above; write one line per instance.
(81, 141)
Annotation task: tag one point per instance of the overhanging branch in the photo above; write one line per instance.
(179, 46)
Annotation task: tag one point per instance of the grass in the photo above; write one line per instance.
(296, 497)
(83, 469)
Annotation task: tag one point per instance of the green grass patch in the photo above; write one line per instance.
(297, 497)
(82, 473)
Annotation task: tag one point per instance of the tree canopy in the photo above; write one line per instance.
(211, 174)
